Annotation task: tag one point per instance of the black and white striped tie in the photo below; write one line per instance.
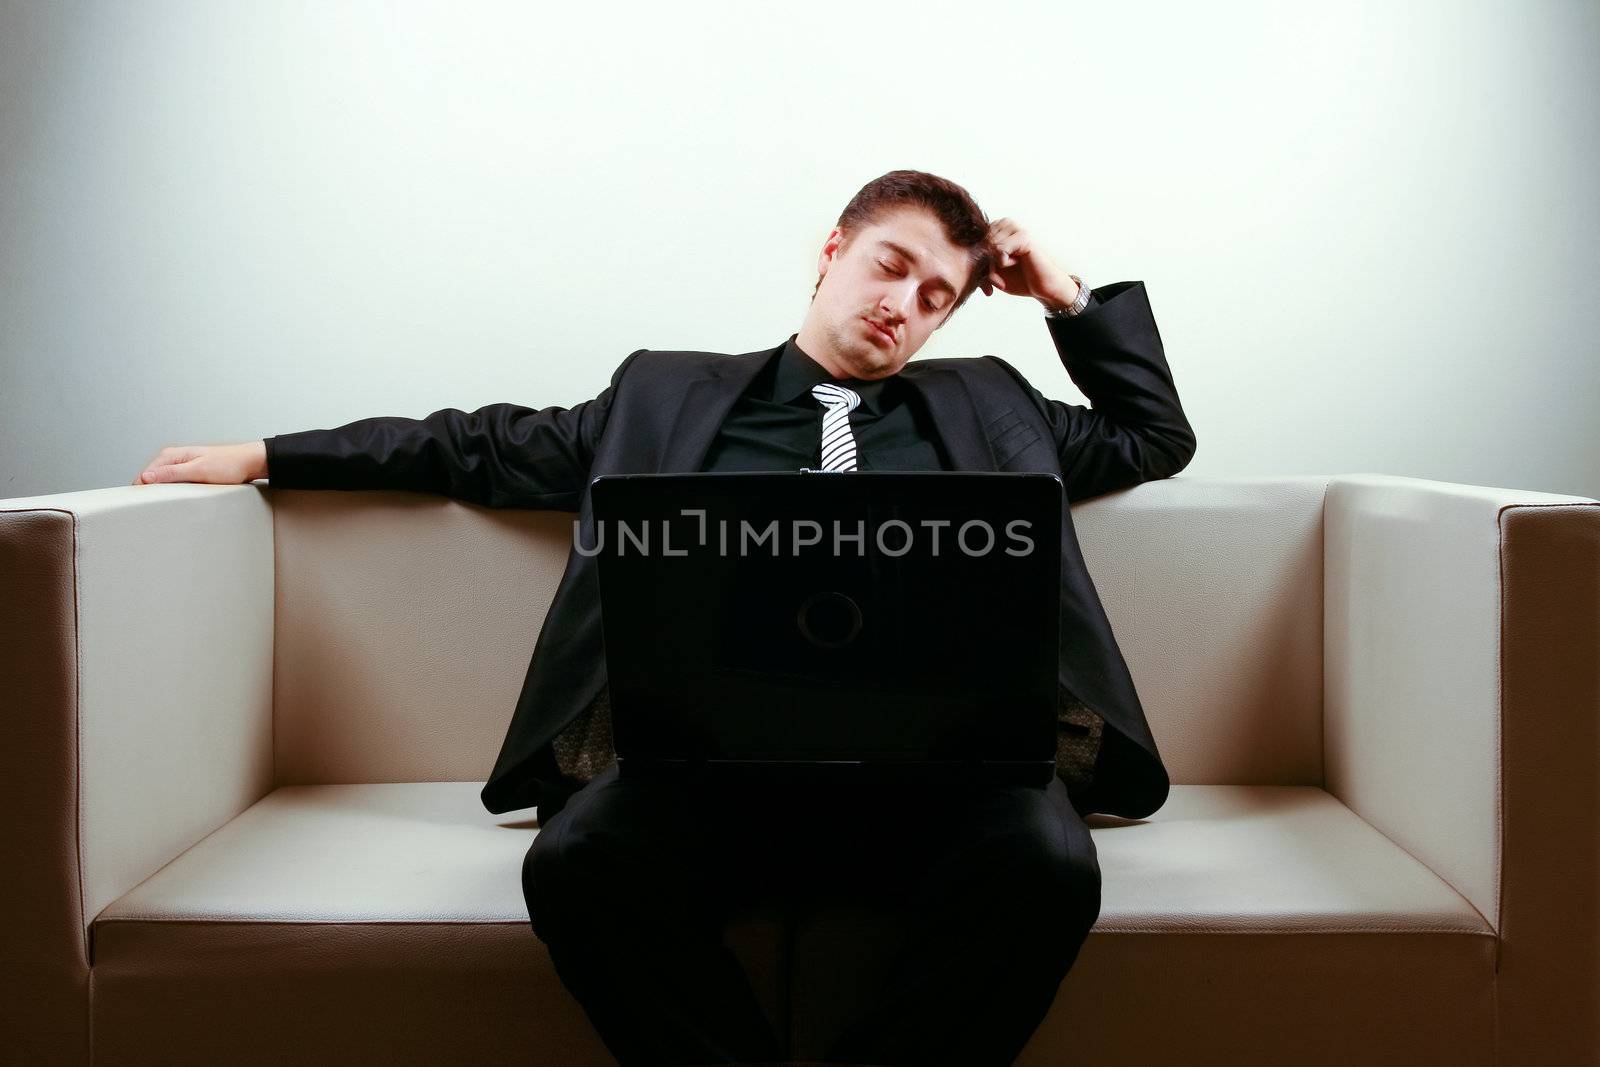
(838, 443)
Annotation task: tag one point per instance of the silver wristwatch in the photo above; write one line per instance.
(1076, 307)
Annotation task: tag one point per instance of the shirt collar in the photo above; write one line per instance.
(798, 372)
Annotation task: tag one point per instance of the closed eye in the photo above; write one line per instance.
(891, 272)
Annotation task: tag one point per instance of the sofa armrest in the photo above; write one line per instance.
(1462, 718)
(136, 666)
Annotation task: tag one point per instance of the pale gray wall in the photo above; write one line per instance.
(1368, 229)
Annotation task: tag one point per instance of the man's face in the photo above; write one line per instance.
(899, 275)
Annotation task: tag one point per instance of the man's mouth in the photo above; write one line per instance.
(880, 331)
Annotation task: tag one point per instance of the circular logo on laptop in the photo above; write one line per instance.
(829, 619)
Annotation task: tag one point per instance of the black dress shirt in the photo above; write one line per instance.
(777, 424)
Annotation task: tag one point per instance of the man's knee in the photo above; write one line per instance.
(568, 871)
(538, 860)
(1062, 900)
(541, 883)
(589, 865)
(1059, 870)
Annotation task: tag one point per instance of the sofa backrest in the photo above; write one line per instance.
(405, 622)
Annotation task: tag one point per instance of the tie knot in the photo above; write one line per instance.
(836, 396)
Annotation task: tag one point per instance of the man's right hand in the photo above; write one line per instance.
(216, 464)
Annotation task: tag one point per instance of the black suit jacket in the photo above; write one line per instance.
(661, 411)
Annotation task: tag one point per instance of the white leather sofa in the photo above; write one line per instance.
(246, 730)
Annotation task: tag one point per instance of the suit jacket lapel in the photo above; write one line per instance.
(704, 407)
(954, 414)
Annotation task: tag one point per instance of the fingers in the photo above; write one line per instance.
(148, 473)
(1000, 231)
(172, 464)
(1009, 240)
(1001, 234)
(194, 470)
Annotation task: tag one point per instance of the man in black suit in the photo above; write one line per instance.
(629, 882)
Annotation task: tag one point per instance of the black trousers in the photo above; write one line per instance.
(630, 884)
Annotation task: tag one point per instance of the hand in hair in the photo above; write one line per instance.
(1024, 269)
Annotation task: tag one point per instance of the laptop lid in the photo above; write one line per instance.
(875, 622)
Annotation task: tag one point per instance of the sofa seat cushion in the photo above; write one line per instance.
(1267, 859)
(1236, 923)
(340, 916)
(423, 852)
(351, 924)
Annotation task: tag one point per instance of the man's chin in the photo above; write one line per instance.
(874, 362)
(880, 368)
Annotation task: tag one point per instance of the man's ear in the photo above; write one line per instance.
(831, 248)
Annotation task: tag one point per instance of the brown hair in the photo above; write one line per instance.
(964, 223)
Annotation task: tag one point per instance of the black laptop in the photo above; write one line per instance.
(814, 626)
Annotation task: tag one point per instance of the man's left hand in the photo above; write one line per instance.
(1023, 269)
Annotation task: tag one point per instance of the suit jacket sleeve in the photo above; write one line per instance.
(1135, 431)
(499, 456)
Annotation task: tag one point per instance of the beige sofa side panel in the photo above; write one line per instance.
(1411, 687)
(171, 711)
(44, 984)
(1461, 704)
(1410, 696)
(1549, 971)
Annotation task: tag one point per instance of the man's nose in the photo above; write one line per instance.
(898, 305)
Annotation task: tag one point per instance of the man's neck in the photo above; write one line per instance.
(813, 344)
